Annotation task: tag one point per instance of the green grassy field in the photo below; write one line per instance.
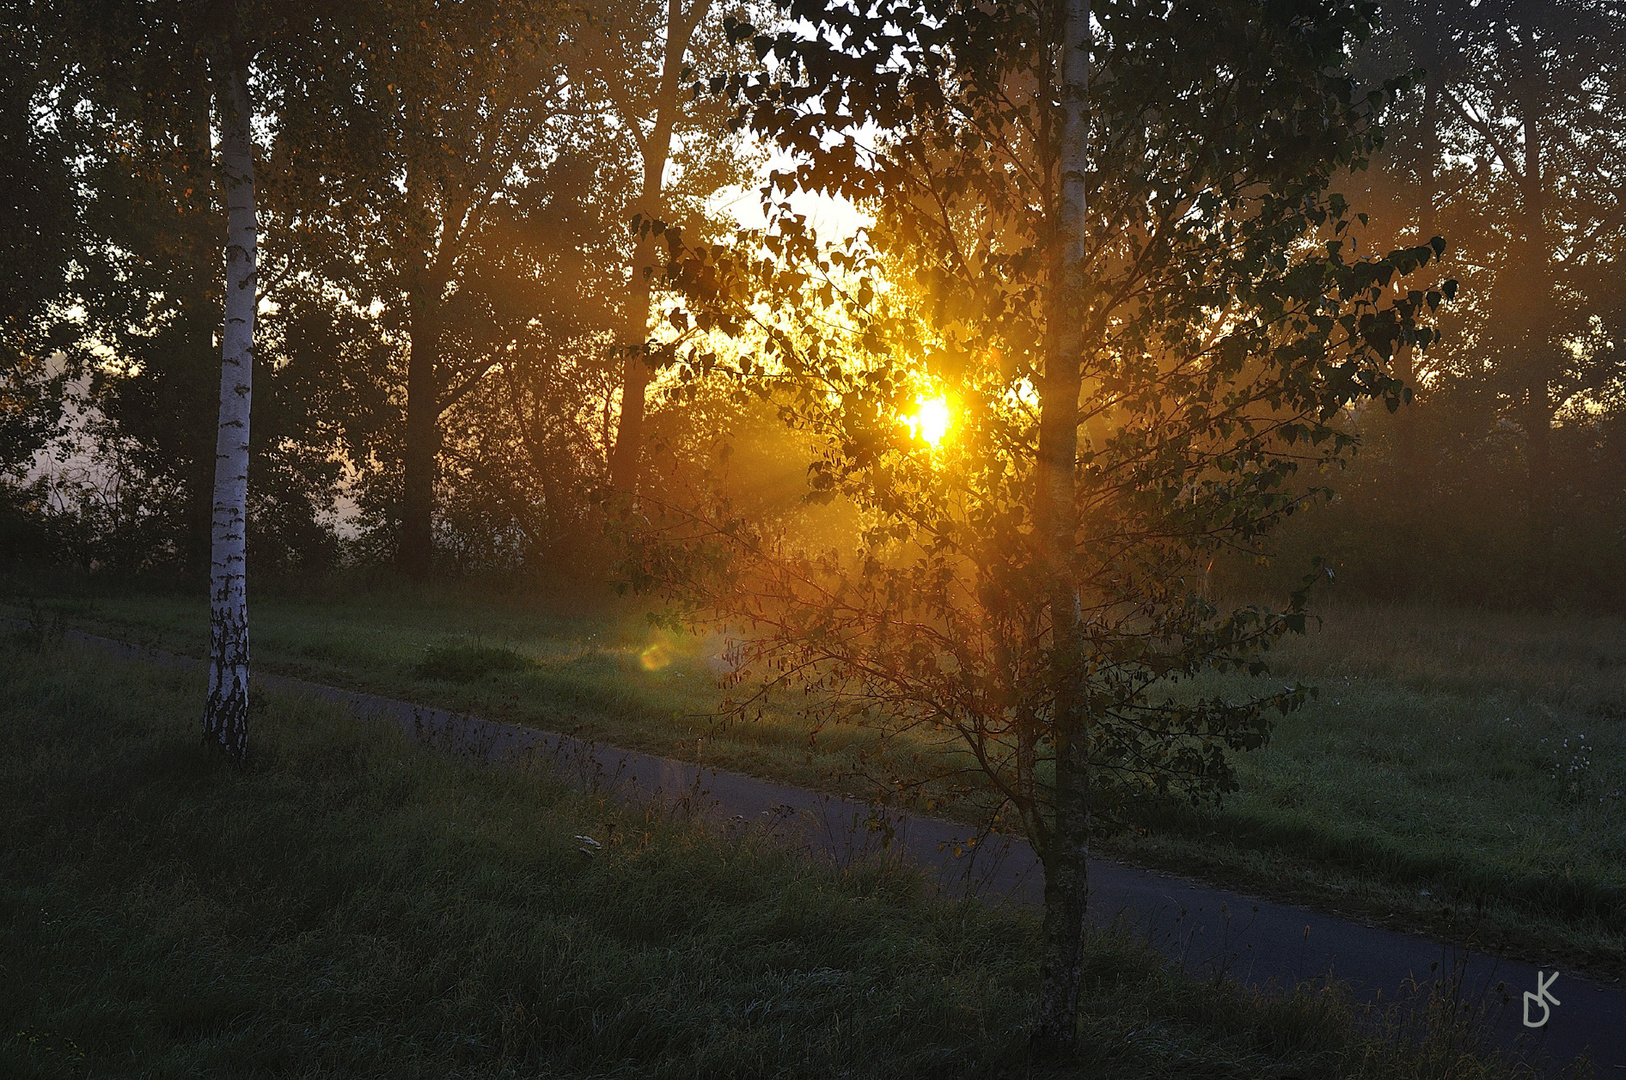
(1460, 772)
(352, 905)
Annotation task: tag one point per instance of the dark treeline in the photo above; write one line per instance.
(444, 269)
(1505, 481)
(453, 301)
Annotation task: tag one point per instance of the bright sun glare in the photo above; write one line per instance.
(931, 419)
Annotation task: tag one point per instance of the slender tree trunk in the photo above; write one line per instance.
(1408, 451)
(422, 436)
(225, 721)
(636, 371)
(1066, 852)
(206, 318)
(1532, 288)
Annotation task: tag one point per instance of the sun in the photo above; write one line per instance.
(931, 419)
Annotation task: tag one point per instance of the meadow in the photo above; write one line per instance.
(352, 904)
(1459, 772)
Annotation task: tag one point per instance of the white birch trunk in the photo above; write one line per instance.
(1075, 146)
(225, 720)
(1066, 851)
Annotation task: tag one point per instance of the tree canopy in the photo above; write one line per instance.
(110, 280)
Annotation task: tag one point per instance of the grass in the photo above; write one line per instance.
(464, 663)
(1461, 772)
(595, 669)
(352, 905)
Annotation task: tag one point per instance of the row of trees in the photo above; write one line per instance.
(446, 192)
(451, 285)
(1506, 482)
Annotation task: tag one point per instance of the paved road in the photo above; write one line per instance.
(1205, 929)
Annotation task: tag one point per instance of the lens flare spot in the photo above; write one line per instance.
(655, 657)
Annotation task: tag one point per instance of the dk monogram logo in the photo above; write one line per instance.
(1541, 997)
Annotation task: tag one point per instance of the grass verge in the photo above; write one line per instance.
(354, 906)
(1461, 773)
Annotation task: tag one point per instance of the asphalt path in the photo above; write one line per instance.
(1206, 930)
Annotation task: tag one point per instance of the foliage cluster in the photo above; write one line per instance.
(1227, 325)
(444, 256)
(1506, 145)
(1504, 484)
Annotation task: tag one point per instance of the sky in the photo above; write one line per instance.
(832, 218)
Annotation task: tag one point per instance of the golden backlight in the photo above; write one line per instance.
(931, 419)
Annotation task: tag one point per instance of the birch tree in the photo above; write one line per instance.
(1123, 385)
(1056, 514)
(225, 720)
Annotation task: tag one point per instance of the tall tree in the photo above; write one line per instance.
(149, 272)
(1407, 178)
(401, 160)
(1056, 515)
(1541, 104)
(524, 452)
(38, 228)
(1129, 383)
(1513, 149)
(644, 56)
(226, 716)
